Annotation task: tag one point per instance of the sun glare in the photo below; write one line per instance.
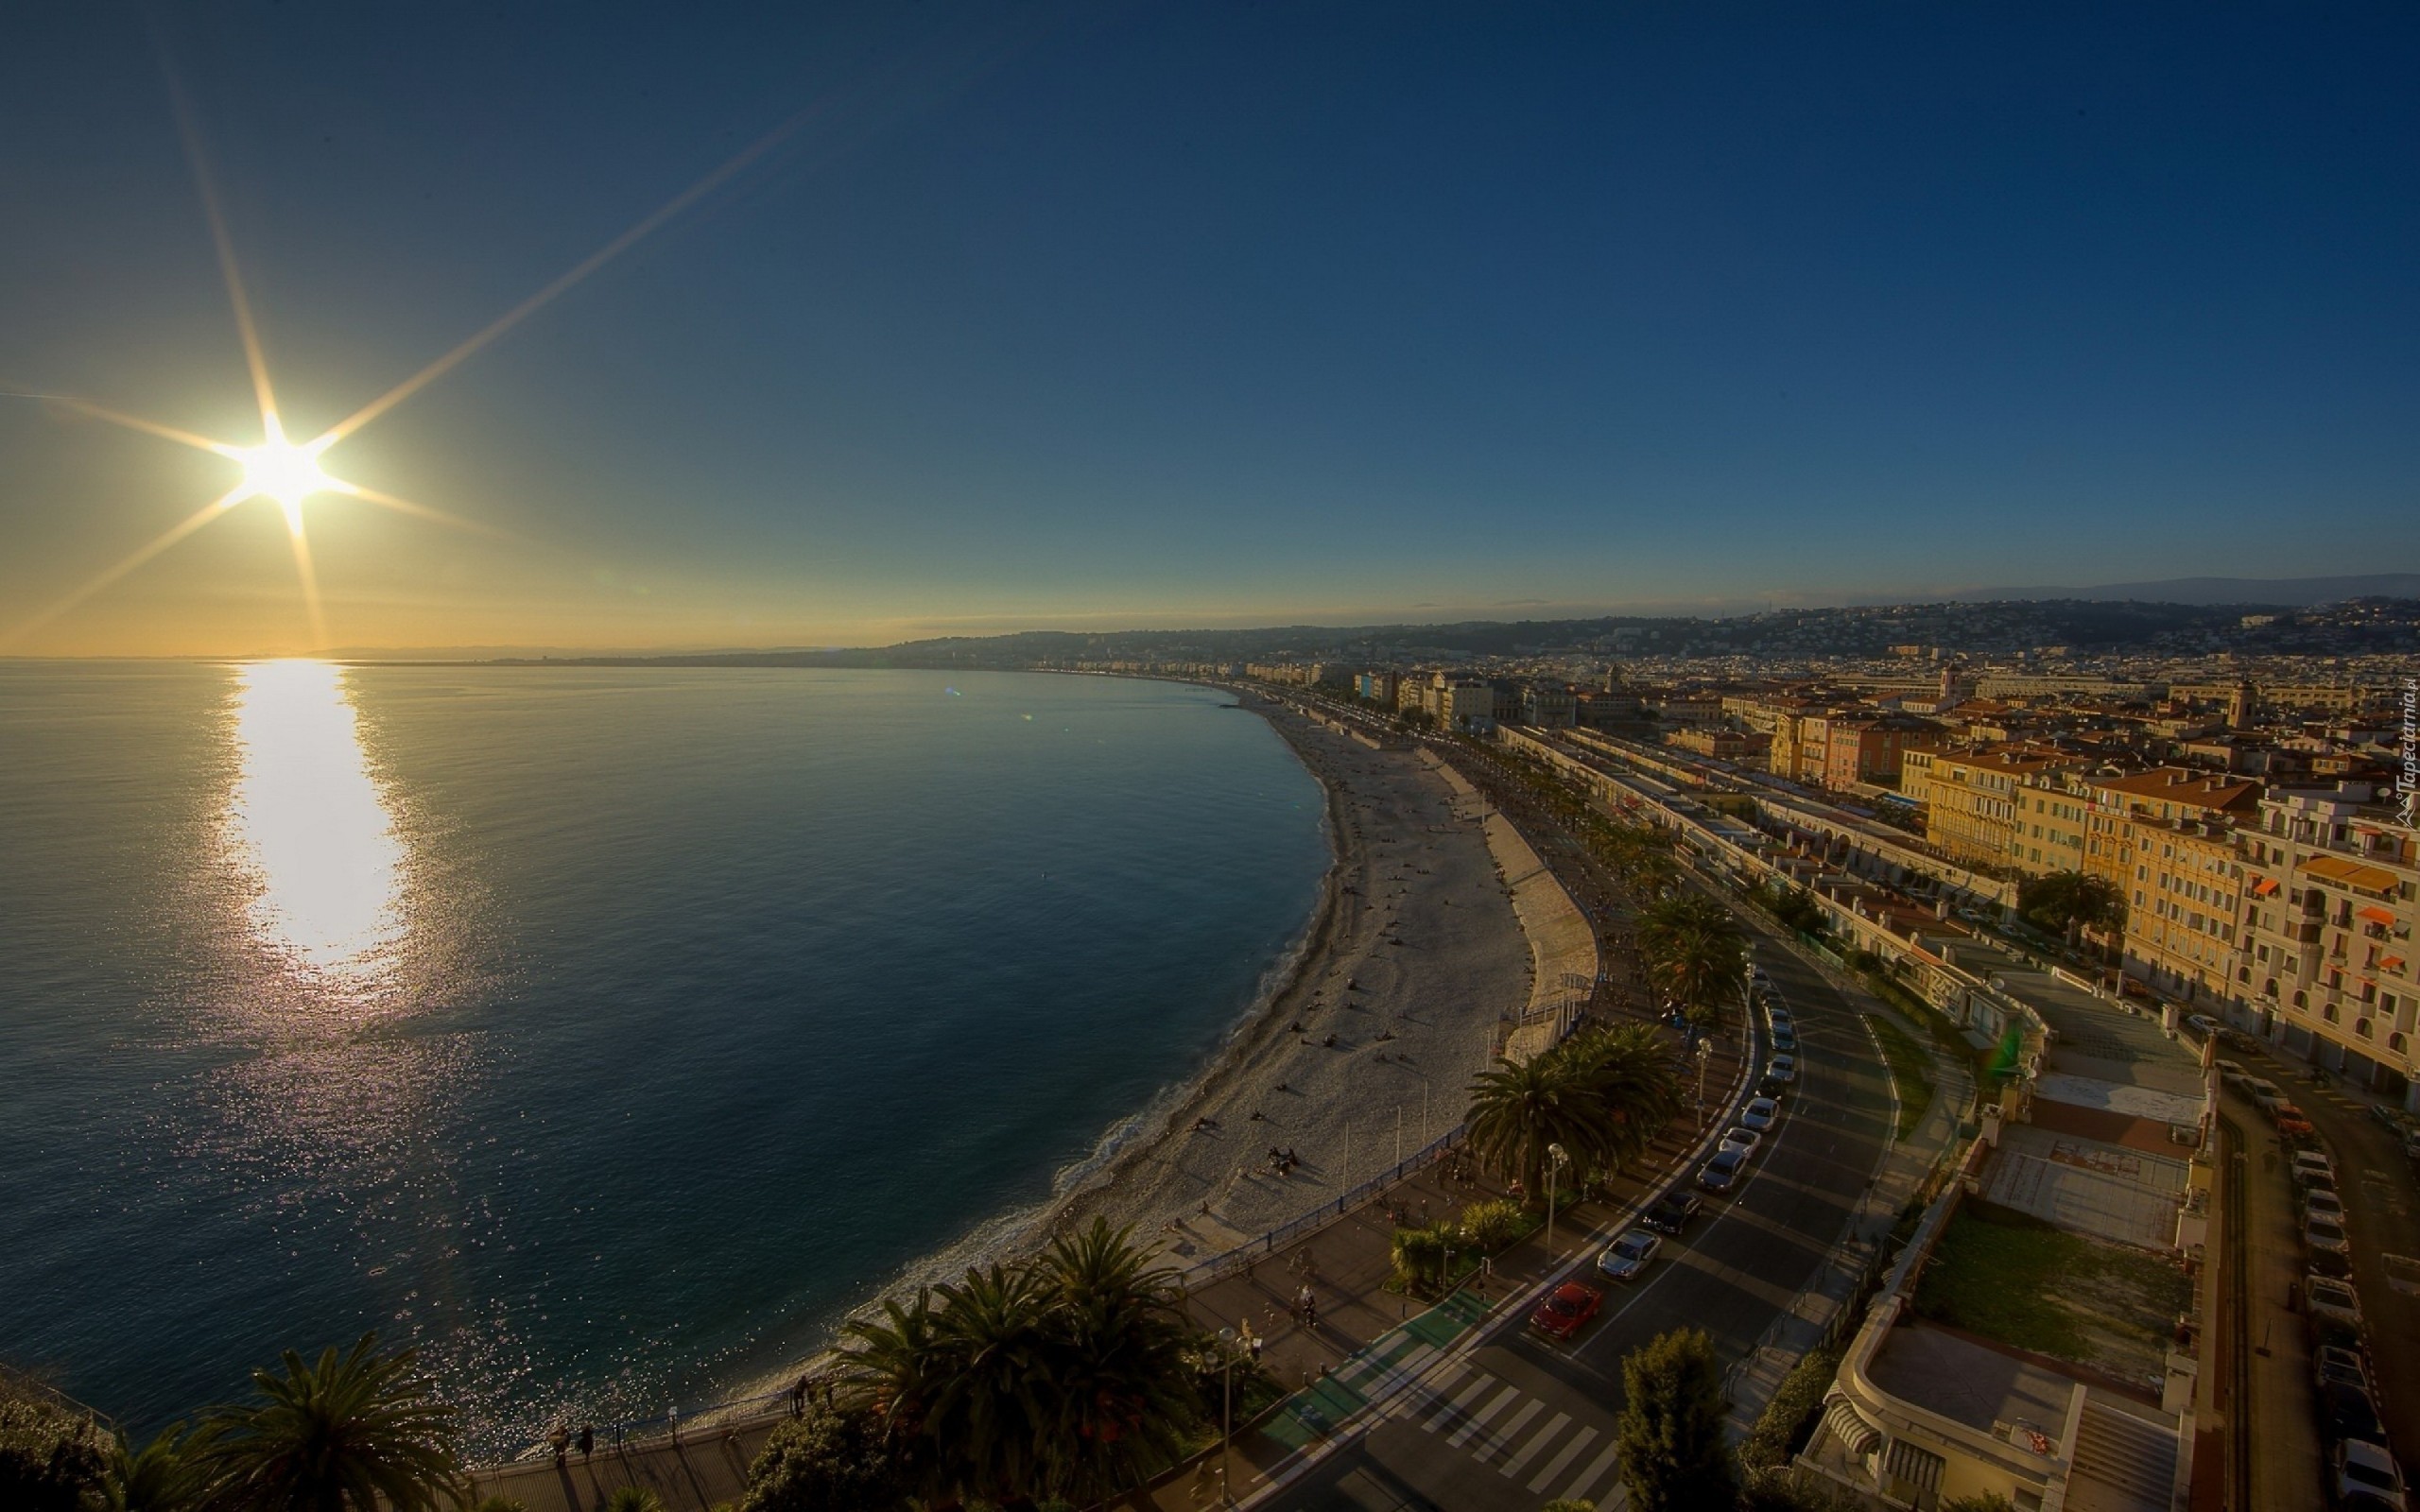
(279, 470)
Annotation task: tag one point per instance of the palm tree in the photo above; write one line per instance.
(1122, 1357)
(1519, 1110)
(159, 1477)
(1634, 1079)
(1696, 953)
(894, 1363)
(993, 1400)
(350, 1432)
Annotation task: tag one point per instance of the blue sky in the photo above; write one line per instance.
(1096, 314)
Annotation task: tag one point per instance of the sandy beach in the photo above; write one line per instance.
(1414, 956)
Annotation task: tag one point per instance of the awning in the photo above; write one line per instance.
(2264, 886)
(2376, 915)
(2350, 873)
(1849, 1426)
(2393, 962)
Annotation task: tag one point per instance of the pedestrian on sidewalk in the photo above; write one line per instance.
(559, 1438)
(587, 1442)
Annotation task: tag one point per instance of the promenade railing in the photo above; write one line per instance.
(1253, 1250)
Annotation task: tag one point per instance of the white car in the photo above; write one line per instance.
(1759, 1114)
(1625, 1259)
(2203, 1025)
(2325, 1235)
(2332, 1300)
(1743, 1139)
(2367, 1470)
(1784, 1069)
(2322, 1202)
(2311, 1165)
(2232, 1072)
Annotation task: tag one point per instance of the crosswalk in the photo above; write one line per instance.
(1520, 1437)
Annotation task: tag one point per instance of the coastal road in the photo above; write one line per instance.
(1519, 1421)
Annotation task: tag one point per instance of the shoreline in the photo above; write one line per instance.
(1406, 1038)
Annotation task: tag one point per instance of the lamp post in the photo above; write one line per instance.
(1227, 1413)
(1556, 1161)
(1705, 1055)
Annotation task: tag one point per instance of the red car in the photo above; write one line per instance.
(1562, 1315)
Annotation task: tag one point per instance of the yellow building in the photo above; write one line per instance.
(1970, 799)
(2053, 813)
(2185, 931)
(2163, 794)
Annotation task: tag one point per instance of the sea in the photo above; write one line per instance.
(607, 1034)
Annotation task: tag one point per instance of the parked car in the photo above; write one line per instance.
(1743, 1139)
(2349, 1411)
(1784, 1069)
(1785, 1037)
(2203, 1025)
(2333, 1363)
(2293, 1125)
(2365, 1468)
(2231, 1073)
(2264, 1092)
(2332, 1300)
(1759, 1114)
(1568, 1311)
(2325, 1235)
(2307, 1164)
(1673, 1213)
(1625, 1259)
(1722, 1173)
(2322, 1202)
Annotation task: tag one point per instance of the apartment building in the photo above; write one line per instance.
(2332, 895)
(2162, 795)
(2184, 930)
(2046, 832)
(1970, 799)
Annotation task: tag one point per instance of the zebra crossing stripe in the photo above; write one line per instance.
(1529, 1452)
(1503, 1437)
(1479, 1419)
(1480, 1381)
(1578, 1489)
(1562, 1458)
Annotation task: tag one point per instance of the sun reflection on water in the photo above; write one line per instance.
(311, 827)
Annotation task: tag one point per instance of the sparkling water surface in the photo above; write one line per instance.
(609, 1032)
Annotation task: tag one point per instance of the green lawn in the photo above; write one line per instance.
(2011, 1277)
(1908, 1061)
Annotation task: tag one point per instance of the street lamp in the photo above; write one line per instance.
(1227, 1413)
(1556, 1161)
(1705, 1053)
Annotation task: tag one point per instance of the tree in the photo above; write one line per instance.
(346, 1433)
(1669, 1441)
(2071, 899)
(1120, 1346)
(635, 1499)
(1521, 1110)
(1634, 1080)
(51, 1460)
(1072, 1375)
(1696, 953)
(823, 1462)
(160, 1477)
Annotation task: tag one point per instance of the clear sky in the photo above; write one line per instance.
(1102, 315)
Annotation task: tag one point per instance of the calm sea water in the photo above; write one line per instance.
(607, 1032)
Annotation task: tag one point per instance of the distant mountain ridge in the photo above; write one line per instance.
(2284, 593)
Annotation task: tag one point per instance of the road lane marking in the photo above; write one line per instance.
(1538, 1441)
(1492, 1442)
(1480, 1381)
(1570, 1451)
(1479, 1419)
(1578, 1489)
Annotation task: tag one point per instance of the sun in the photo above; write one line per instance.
(280, 470)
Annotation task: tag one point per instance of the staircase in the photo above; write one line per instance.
(2123, 1463)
